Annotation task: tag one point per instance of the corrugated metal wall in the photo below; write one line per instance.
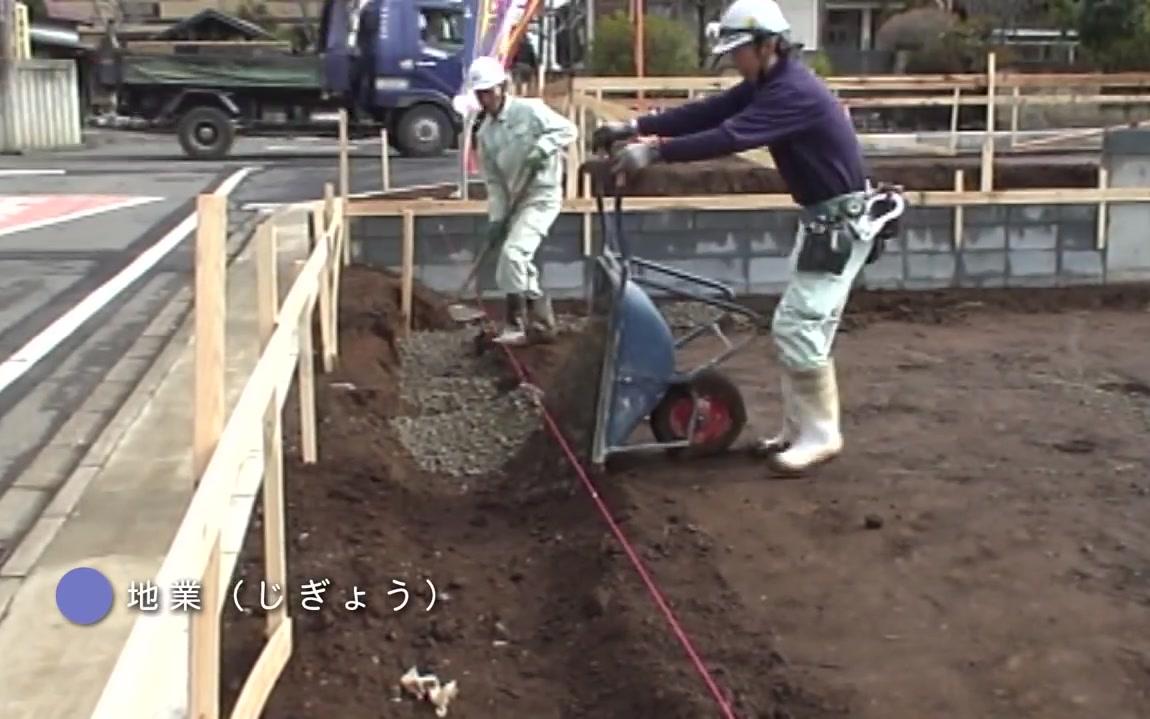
(40, 106)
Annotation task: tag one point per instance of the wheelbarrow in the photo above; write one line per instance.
(695, 411)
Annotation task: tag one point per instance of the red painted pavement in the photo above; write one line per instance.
(18, 212)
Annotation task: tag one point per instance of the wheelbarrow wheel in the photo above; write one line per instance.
(722, 414)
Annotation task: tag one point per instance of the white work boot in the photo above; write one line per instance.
(816, 402)
(514, 327)
(769, 446)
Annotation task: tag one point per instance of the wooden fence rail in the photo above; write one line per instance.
(243, 450)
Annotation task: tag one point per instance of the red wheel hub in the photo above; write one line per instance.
(713, 421)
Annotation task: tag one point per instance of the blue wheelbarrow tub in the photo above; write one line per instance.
(639, 363)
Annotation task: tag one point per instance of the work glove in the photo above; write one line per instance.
(634, 157)
(536, 161)
(607, 135)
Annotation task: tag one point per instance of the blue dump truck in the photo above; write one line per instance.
(392, 64)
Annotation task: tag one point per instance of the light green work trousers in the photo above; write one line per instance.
(516, 272)
(808, 314)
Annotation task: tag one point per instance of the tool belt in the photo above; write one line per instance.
(828, 233)
(829, 228)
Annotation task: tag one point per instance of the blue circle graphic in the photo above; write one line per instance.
(84, 596)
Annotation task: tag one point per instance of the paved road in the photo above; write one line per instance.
(138, 192)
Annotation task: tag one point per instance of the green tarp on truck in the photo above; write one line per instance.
(304, 72)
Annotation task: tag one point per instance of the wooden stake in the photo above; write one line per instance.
(326, 236)
(306, 373)
(275, 550)
(954, 108)
(211, 302)
(344, 159)
(208, 424)
(1015, 108)
(1103, 183)
(988, 141)
(204, 702)
(959, 214)
(384, 160)
(267, 286)
(407, 270)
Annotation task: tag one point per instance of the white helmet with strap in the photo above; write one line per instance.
(748, 21)
(485, 73)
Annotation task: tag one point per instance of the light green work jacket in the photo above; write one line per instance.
(507, 140)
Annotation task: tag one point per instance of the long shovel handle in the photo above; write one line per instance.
(515, 203)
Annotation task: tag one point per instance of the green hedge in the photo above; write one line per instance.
(668, 47)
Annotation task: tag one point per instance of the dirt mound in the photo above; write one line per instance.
(736, 176)
(538, 611)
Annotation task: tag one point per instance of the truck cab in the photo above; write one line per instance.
(402, 63)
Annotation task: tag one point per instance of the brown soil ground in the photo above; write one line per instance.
(737, 176)
(980, 550)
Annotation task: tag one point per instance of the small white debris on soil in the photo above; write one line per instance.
(426, 687)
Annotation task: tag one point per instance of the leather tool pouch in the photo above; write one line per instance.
(826, 247)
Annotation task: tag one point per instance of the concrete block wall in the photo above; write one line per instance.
(1001, 246)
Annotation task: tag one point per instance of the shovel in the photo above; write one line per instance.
(461, 311)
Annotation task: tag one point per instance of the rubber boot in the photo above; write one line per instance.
(770, 446)
(816, 402)
(514, 331)
(541, 326)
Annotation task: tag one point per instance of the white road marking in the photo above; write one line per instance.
(50, 337)
(23, 173)
(307, 148)
(56, 219)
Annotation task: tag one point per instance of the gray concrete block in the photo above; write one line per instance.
(983, 237)
(1033, 263)
(19, 508)
(563, 279)
(1078, 235)
(730, 271)
(928, 238)
(378, 252)
(1128, 242)
(1033, 214)
(432, 249)
(1129, 172)
(768, 274)
(982, 268)
(735, 220)
(1126, 141)
(930, 269)
(773, 243)
(449, 225)
(668, 221)
(887, 272)
(568, 223)
(930, 216)
(985, 215)
(1079, 213)
(376, 227)
(1086, 264)
(1032, 237)
(666, 245)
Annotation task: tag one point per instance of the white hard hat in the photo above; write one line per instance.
(746, 21)
(486, 73)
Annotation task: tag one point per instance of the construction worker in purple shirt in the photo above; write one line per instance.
(785, 107)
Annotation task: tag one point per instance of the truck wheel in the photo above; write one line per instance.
(423, 131)
(206, 133)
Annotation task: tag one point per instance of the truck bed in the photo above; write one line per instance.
(300, 72)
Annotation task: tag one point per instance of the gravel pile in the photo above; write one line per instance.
(458, 422)
(686, 315)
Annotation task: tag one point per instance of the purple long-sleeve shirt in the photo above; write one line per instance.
(791, 112)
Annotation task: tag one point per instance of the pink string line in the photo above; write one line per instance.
(653, 588)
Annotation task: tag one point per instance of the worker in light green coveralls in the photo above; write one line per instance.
(520, 144)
